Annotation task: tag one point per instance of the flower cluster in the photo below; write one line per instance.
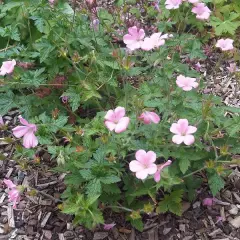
(200, 9)
(27, 131)
(13, 193)
(7, 67)
(225, 44)
(144, 165)
(135, 39)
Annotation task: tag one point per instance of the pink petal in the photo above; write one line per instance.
(23, 121)
(119, 113)
(141, 34)
(191, 129)
(19, 131)
(195, 84)
(182, 125)
(208, 201)
(133, 31)
(151, 156)
(187, 88)
(110, 125)
(154, 117)
(110, 115)
(178, 139)
(152, 168)
(157, 176)
(134, 45)
(122, 124)
(166, 164)
(147, 44)
(174, 129)
(189, 139)
(9, 183)
(140, 155)
(108, 226)
(142, 174)
(129, 39)
(30, 140)
(136, 166)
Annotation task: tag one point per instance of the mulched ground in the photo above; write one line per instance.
(38, 216)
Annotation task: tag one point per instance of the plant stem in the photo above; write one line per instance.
(190, 174)
(122, 208)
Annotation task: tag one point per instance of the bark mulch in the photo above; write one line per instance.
(38, 215)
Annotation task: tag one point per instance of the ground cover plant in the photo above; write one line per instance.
(115, 98)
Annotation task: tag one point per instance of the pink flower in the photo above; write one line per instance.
(1, 121)
(173, 4)
(14, 193)
(89, 1)
(208, 201)
(219, 219)
(157, 175)
(149, 117)
(186, 83)
(154, 41)
(27, 132)
(115, 120)
(225, 44)
(183, 132)
(144, 164)
(202, 11)
(198, 66)
(7, 67)
(51, 1)
(233, 68)
(134, 39)
(108, 226)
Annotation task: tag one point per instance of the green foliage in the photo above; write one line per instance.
(172, 203)
(60, 52)
(216, 183)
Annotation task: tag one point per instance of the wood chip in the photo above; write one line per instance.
(100, 235)
(236, 197)
(233, 210)
(45, 219)
(46, 184)
(61, 236)
(10, 215)
(9, 173)
(235, 222)
(3, 197)
(215, 232)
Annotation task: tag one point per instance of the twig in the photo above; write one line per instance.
(56, 200)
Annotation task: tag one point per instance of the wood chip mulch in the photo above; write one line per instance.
(38, 215)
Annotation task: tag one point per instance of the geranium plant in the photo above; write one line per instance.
(115, 104)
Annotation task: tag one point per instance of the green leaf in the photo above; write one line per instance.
(216, 183)
(228, 25)
(86, 174)
(7, 102)
(70, 209)
(74, 98)
(94, 187)
(172, 203)
(34, 78)
(40, 24)
(110, 179)
(92, 199)
(45, 48)
(184, 164)
(137, 223)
